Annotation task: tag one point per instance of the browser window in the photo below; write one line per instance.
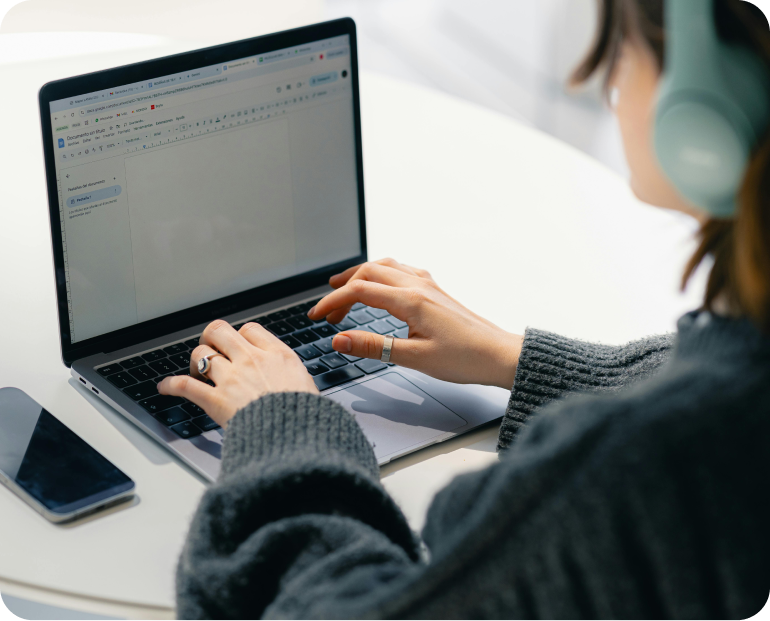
(183, 189)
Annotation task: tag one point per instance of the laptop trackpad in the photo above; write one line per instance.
(395, 414)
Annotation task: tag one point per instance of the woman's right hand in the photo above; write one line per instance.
(446, 340)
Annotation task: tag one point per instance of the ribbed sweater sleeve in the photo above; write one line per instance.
(297, 510)
(552, 367)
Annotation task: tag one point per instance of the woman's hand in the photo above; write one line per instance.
(446, 340)
(256, 363)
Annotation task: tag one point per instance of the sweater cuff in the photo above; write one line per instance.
(552, 366)
(294, 426)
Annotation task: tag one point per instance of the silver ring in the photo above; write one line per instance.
(204, 364)
(387, 348)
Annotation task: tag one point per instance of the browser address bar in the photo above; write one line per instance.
(243, 74)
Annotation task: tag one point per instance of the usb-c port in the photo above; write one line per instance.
(94, 389)
(82, 380)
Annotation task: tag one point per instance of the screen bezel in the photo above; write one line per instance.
(138, 72)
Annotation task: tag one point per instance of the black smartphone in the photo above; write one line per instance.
(50, 467)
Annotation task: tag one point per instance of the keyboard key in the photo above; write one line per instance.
(181, 360)
(109, 369)
(122, 379)
(143, 373)
(325, 345)
(337, 377)
(371, 366)
(186, 430)
(192, 409)
(193, 343)
(173, 416)
(278, 315)
(308, 352)
(346, 324)
(141, 391)
(397, 322)
(178, 348)
(291, 341)
(367, 328)
(160, 378)
(299, 309)
(325, 330)
(350, 358)
(154, 355)
(160, 403)
(237, 326)
(378, 313)
(333, 361)
(315, 368)
(360, 317)
(163, 367)
(403, 333)
(204, 423)
(262, 321)
(306, 336)
(280, 328)
(299, 322)
(382, 327)
(132, 362)
(358, 306)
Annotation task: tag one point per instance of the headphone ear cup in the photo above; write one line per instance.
(702, 151)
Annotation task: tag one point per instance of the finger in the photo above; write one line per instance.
(369, 345)
(221, 336)
(338, 280)
(217, 368)
(372, 272)
(385, 271)
(420, 272)
(398, 301)
(191, 389)
(260, 337)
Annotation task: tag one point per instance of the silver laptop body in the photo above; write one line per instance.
(224, 183)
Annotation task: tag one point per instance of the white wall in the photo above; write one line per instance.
(513, 56)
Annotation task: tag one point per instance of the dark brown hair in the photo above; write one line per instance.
(740, 247)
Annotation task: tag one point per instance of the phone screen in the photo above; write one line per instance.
(50, 462)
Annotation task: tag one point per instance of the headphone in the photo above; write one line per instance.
(713, 108)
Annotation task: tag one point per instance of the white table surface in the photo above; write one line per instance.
(523, 229)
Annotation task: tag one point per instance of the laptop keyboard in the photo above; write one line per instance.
(311, 341)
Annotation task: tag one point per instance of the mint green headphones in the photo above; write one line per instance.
(713, 108)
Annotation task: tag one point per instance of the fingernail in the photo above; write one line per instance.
(342, 343)
(311, 311)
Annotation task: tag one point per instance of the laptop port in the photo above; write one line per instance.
(94, 389)
(82, 380)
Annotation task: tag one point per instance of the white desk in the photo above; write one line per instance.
(523, 229)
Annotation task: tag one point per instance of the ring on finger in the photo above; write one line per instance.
(204, 364)
(387, 348)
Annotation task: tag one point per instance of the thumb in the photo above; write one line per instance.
(369, 345)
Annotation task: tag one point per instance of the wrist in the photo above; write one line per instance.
(507, 349)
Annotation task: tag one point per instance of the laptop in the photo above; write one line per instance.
(224, 183)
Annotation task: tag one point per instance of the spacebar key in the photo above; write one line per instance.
(337, 377)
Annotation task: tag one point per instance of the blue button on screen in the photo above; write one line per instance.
(61, 143)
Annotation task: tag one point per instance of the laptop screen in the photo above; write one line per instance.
(186, 188)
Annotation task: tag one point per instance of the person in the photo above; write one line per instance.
(632, 480)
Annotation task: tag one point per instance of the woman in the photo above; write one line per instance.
(644, 496)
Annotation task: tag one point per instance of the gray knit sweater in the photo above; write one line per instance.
(641, 494)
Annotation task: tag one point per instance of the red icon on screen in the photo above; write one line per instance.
(152, 107)
(321, 56)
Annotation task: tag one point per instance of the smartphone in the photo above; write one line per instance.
(50, 467)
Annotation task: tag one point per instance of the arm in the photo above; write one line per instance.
(298, 525)
(551, 367)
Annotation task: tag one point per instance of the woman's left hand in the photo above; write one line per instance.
(255, 363)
